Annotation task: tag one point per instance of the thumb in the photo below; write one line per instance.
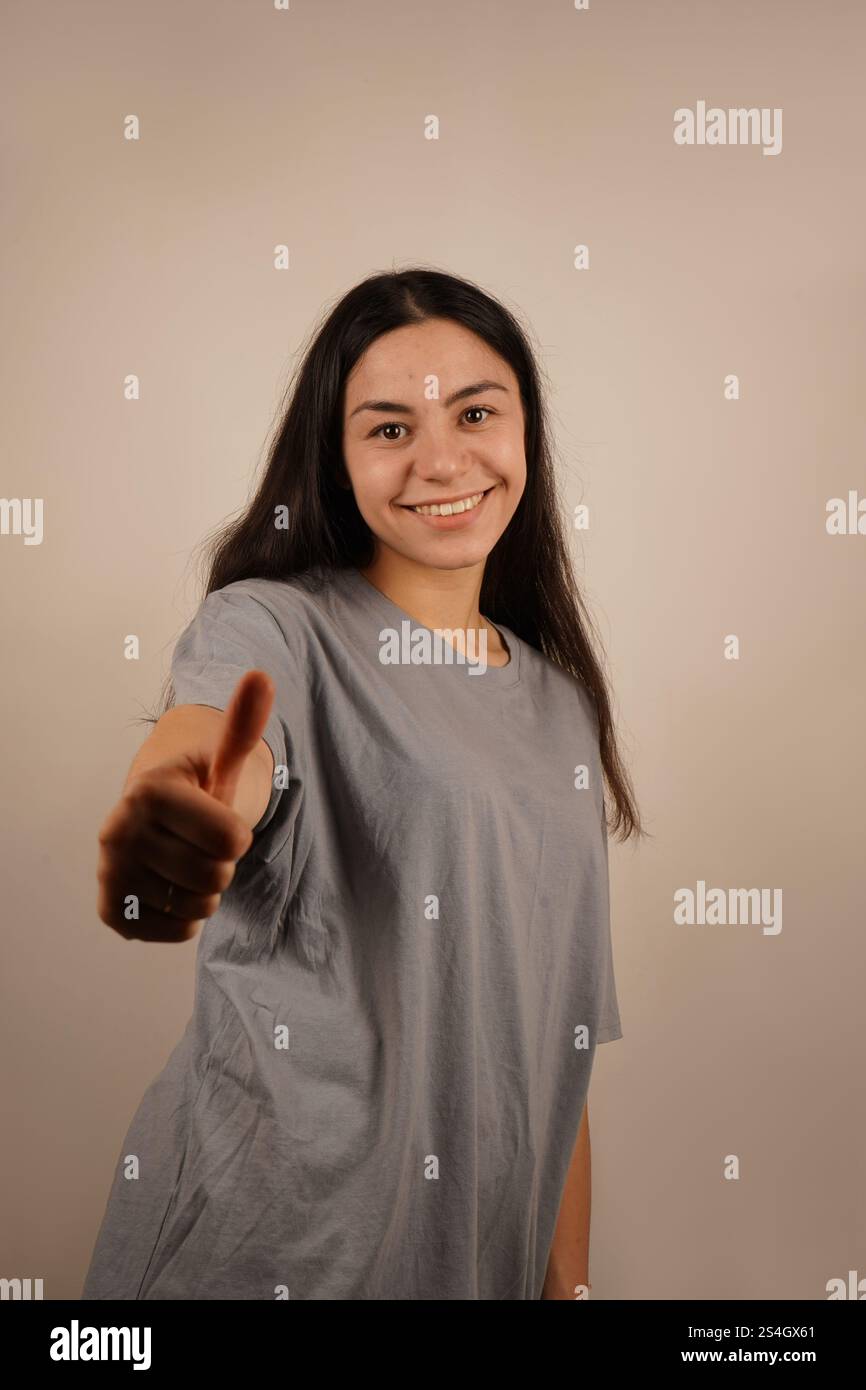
(245, 718)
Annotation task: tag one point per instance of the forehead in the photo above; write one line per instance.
(405, 357)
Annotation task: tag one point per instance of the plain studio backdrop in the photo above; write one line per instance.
(492, 141)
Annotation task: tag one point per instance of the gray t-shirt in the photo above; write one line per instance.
(398, 1001)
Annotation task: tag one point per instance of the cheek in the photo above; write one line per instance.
(511, 460)
(382, 483)
(375, 484)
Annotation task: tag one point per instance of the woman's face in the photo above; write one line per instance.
(432, 414)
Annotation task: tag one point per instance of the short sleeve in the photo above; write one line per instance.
(234, 632)
(609, 1028)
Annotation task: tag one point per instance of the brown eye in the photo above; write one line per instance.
(389, 425)
(484, 410)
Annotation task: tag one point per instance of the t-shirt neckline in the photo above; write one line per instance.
(493, 675)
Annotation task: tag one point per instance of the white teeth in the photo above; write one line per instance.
(449, 508)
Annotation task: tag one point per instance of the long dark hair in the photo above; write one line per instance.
(528, 582)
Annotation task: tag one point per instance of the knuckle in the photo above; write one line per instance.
(233, 844)
(108, 831)
(107, 874)
(223, 873)
(143, 795)
(238, 839)
(117, 832)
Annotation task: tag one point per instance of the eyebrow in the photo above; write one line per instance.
(396, 408)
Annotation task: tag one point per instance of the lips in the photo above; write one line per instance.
(443, 501)
(465, 519)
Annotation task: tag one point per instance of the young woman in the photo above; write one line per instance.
(399, 842)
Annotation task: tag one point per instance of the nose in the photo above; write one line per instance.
(440, 460)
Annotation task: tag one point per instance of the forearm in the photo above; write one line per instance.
(568, 1262)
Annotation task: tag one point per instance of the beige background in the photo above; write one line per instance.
(306, 127)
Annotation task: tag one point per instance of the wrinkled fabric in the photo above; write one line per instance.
(398, 1001)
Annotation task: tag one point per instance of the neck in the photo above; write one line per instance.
(436, 598)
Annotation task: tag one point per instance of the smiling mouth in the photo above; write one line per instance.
(454, 508)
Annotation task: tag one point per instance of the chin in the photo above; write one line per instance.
(454, 557)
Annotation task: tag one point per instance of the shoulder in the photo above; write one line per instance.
(296, 594)
(296, 606)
